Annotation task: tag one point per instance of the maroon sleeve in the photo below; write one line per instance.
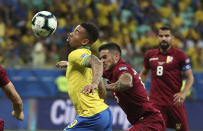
(183, 58)
(4, 80)
(123, 68)
(146, 60)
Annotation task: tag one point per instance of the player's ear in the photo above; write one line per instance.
(117, 56)
(85, 42)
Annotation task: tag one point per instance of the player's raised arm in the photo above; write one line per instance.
(124, 82)
(144, 73)
(97, 71)
(10, 91)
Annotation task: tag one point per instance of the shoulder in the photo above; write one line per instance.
(179, 53)
(123, 67)
(152, 51)
(2, 69)
(3, 73)
(80, 53)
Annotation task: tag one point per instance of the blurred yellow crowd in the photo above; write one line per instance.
(132, 24)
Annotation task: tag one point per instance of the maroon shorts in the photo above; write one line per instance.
(152, 122)
(1, 125)
(175, 117)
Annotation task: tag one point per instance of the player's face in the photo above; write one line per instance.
(108, 59)
(165, 39)
(77, 38)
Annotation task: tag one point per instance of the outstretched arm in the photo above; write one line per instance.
(97, 71)
(124, 82)
(12, 94)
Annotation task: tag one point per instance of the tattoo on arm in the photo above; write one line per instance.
(97, 68)
(124, 82)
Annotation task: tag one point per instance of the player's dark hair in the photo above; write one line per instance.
(92, 32)
(166, 28)
(110, 46)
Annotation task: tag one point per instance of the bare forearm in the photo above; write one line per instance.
(188, 85)
(144, 74)
(143, 77)
(14, 97)
(102, 90)
(118, 86)
(97, 69)
(189, 81)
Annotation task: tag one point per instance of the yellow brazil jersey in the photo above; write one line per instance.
(78, 76)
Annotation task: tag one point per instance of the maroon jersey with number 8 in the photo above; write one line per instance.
(166, 77)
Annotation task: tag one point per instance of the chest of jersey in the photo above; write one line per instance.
(163, 63)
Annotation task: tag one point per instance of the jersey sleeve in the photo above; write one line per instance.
(146, 60)
(184, 62)
(123, 69)
(4, 80)
(79, 57)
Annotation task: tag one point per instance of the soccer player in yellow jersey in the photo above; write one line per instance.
(84, 72)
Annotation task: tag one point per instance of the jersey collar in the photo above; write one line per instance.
(84, 47)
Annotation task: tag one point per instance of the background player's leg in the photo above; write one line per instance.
(177, 118)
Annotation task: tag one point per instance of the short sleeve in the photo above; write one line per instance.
(184, 61)
(123, 69)
(4, 80)
(79, 56)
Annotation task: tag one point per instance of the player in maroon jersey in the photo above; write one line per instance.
(129, 91)
(166, 64)
(8, 88)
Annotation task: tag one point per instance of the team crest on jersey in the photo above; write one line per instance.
(153, 58)
(123, 68)
(169, 59)
(83, 55)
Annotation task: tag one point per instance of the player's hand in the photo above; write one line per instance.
(18, 115)
(179, 98)
(89, 89)
(62, 64)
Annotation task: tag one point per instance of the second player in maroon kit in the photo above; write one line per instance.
(129, 91)
(167, 64)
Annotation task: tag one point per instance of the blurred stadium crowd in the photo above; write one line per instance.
(131, 23)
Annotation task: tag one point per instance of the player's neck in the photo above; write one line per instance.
(166, 50)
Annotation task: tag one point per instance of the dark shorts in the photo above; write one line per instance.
(152, 122)
(99, 122)
(175, 117)
(1, 125)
